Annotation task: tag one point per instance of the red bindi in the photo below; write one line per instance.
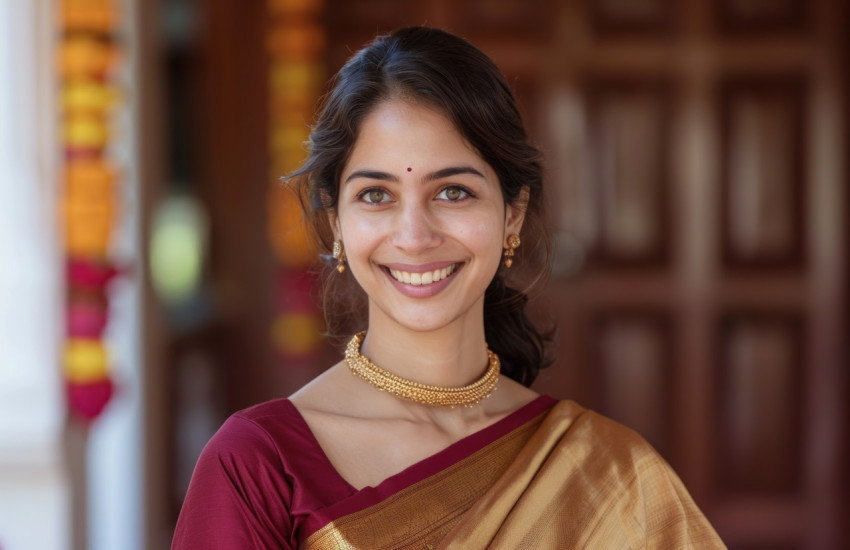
(409, 169)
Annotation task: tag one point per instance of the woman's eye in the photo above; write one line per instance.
(453, 194)
(374, 196)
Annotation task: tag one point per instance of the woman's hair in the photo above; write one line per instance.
(448, 73)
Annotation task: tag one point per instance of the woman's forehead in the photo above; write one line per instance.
(404, 135)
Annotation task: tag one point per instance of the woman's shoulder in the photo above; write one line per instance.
(238, 484)
(601, 436)
(254, 433)
(280, 421)
(266, 413)
(618, 475)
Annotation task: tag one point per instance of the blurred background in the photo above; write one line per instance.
(155, 277)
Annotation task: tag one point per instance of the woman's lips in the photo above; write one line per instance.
(421, 281)
(417, 278)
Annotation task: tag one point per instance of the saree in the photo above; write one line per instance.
(567, 478)
(549, 475)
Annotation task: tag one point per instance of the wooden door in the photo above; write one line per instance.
(697, 188)
(698, 183)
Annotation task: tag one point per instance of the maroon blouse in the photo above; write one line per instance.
(263, 481)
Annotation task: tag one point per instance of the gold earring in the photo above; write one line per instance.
(512, 244)
(339, 256)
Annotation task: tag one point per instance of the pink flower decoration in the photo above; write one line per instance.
(86, 320)
(90, 274)
(87, 401)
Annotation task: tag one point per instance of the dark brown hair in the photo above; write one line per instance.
(450, 74)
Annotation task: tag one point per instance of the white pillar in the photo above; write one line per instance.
(34, 488)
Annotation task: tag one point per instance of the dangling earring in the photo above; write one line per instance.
(513, 244)
(339, 256)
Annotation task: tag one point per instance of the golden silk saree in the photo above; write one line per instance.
(554, 476)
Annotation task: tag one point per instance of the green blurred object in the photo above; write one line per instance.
(177, 248)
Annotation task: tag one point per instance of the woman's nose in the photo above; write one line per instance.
(415, 229)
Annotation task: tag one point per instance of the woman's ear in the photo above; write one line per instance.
(515, 212)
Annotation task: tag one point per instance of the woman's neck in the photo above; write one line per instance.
(454, 355)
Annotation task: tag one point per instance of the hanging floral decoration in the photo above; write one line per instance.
(296, 43)
(87, 57)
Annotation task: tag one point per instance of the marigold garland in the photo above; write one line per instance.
(87, 56)
(296, 43)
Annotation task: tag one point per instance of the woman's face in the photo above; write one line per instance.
(422, 219)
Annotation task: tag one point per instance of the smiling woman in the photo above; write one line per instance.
(423, 184)
(401, 228)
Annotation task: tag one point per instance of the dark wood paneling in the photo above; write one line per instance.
(632, 373)
(649, 18)
(527, 20)
(351, 25)
(629, 181)
(759, 405)
(753, 17)
(763, 159)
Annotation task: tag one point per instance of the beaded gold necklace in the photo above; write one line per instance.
(466, 396)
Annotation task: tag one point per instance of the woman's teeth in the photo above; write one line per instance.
(418, 279)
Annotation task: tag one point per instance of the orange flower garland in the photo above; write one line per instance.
(86, 57)
(296, 43)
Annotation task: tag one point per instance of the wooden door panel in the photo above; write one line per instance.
(631, 372)
(759, 407)
(626, 217)
(720, 313)
(747, 17)
(635, 17)
(764, 155)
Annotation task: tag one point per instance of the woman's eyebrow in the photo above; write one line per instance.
(439, 174)
(372, 175)
(453, 171)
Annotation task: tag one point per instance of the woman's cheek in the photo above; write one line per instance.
(488, 229)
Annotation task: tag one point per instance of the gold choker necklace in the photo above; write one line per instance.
(466, 396)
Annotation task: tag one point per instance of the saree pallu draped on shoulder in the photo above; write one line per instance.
(566, 479)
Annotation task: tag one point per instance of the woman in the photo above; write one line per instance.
(424, 186)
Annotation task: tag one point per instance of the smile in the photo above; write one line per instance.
(422, 279)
